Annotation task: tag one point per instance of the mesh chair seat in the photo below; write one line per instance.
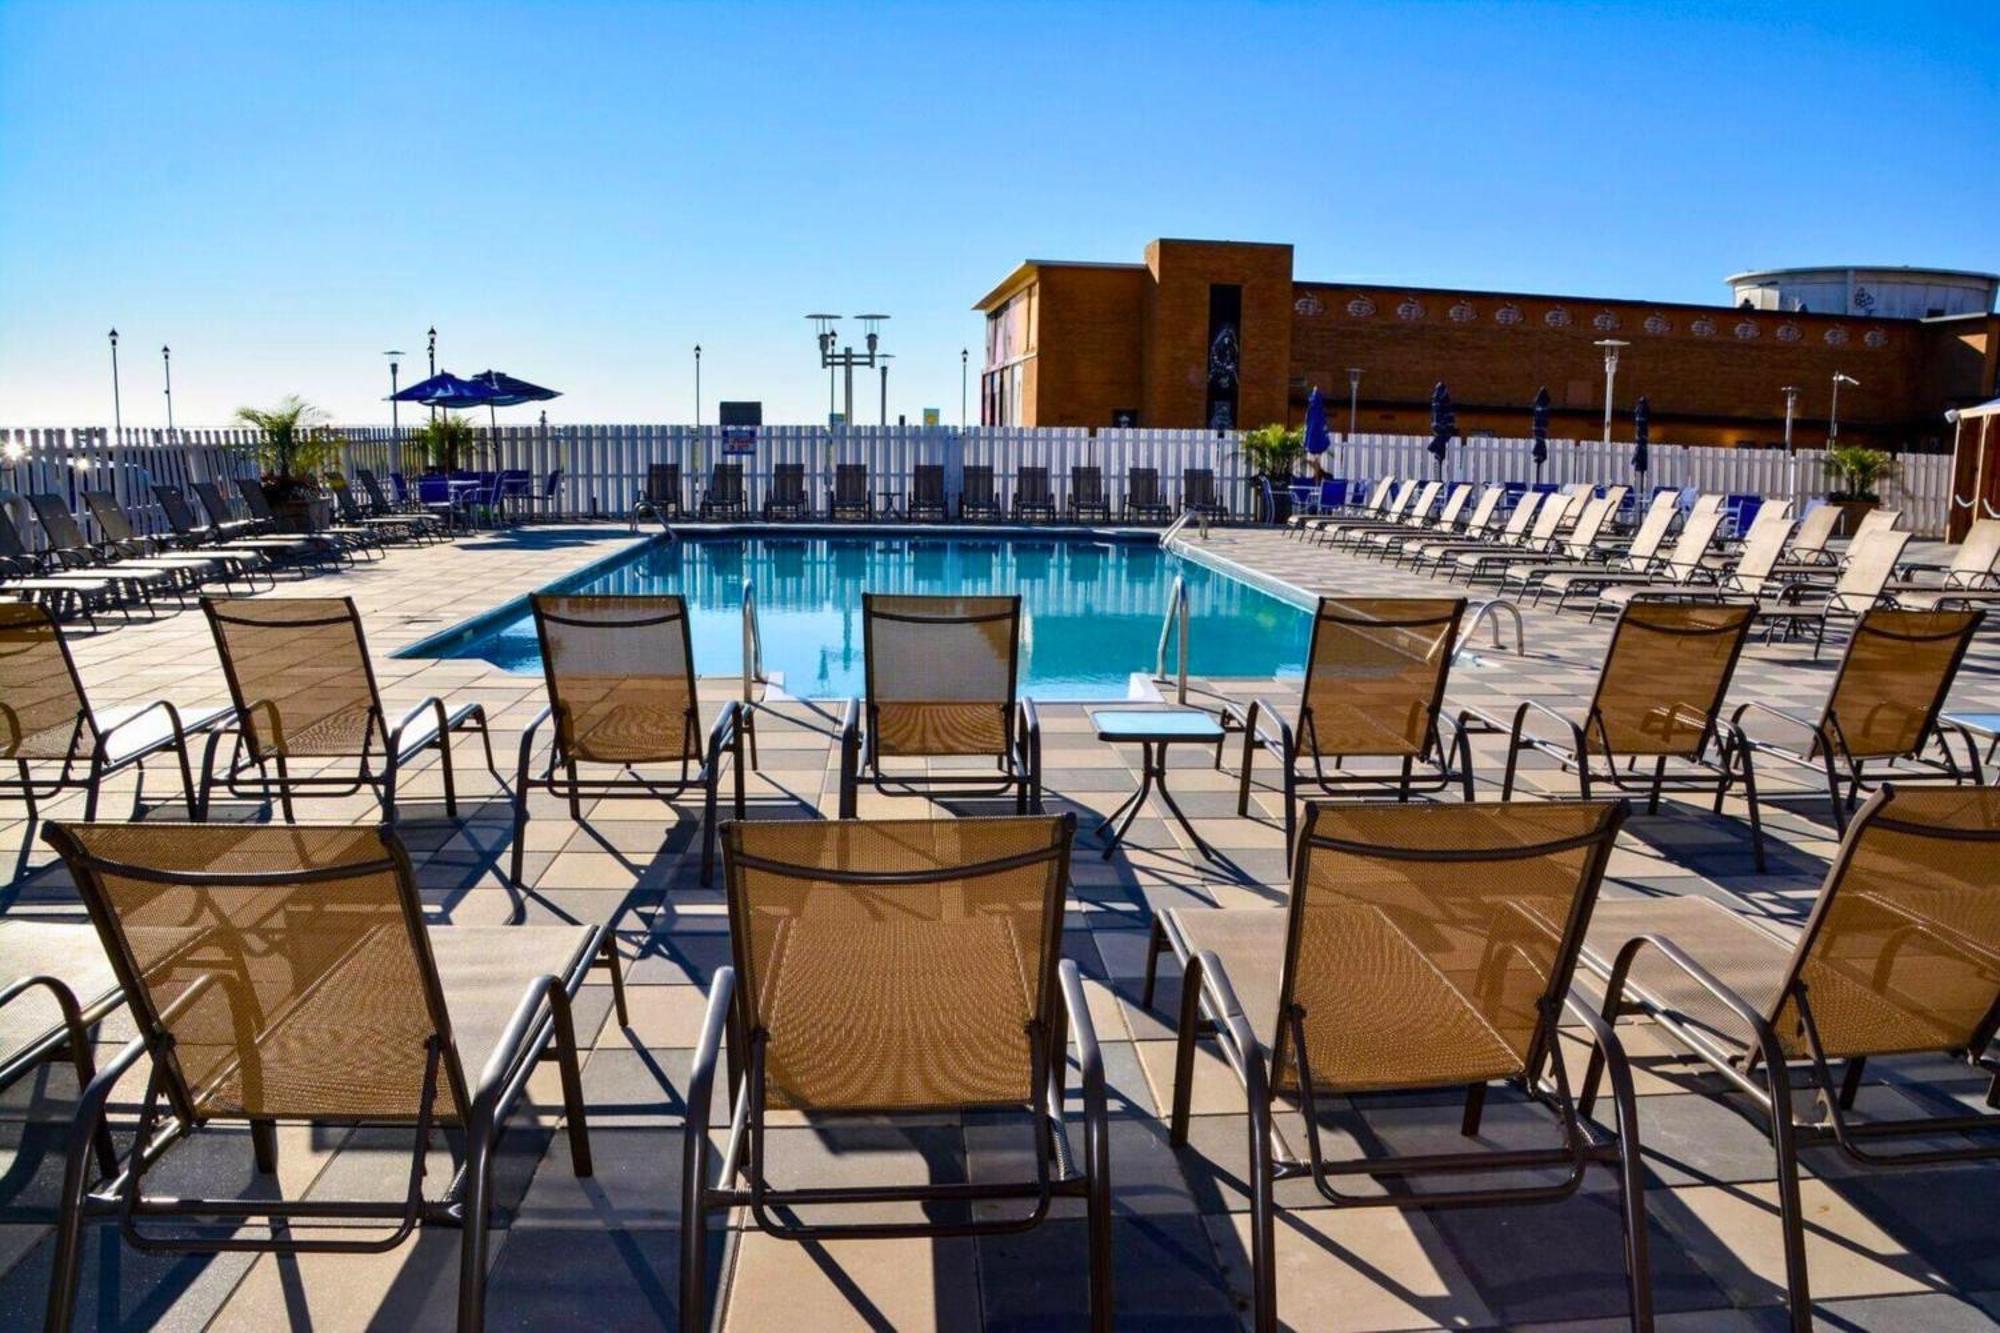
(940, 728)
(904, 1014)
(68, 952)
(1398, 1022)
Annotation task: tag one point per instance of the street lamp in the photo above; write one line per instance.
(964, 372)
(1353, 400)
(395, 427)
(167, 369)
(117, 411)
(1611, 347)
(697, 386)
(1833, 413)
(823, 334)
(1791, 392)
(434, 364)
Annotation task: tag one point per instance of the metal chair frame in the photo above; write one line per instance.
(1209, 1007)
(542, 1019)
(739, 1170)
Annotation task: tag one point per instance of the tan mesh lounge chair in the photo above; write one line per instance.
(1871, 563)
(46, 721)
(1659, 698)
(1481, 524)
(70, 551)
(1808, 544)
(1684, 566)
(943, 677)
(1750, 576)
(850, 493)
(621, 682)
(1145, 501)
(1374, 689)
(1414, 513)
(1423, 947)
(1390, 542)
(1577, 547)
(1973, 568)
(285, 973)
(661, 497)
(787, 498)
(1510, 534)
(891, 967)
(725, 497)
(927, 499)
(1900, 956)
(1883, 708)
(1637, 559)
(1033, 497)
(196, 534)
(976, 499)
(23, 574)
(1476, 562)
(1086, 495)
(1387, 513)
(344, 539)
(304, 689)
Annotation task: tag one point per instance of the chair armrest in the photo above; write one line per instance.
(432, 705)
(1259, 710)
(850, 757)
(503, 1065)
(1735, 723)
(1621, 967)
(1089, 1056)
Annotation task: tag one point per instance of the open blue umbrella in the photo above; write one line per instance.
(1318, 440)
(1642, 431)
(1444, 423)
(445, 390)
(1541, 429)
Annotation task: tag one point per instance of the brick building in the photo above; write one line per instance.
(1222, 333)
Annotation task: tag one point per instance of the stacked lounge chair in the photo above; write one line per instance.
(1086, 495)
(1145, 501)
(787, 498)
(927, 498)
(976, 500)
(1033, 497)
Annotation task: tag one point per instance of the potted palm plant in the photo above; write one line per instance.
(445, 442)
(1272, 454)
(1855, 473)
(294, 443)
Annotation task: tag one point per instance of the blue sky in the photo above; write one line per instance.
(578, 193)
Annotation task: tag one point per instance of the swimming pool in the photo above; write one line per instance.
(1091, 607)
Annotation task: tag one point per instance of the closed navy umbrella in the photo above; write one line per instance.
(1318, 440)
(1541, 429)
(1444, 423)
(1642, 432)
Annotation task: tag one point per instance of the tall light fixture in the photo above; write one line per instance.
(1791, 392)
(964, 375)
(1611, 346)
(394, 364)
(1833, 413)
(167, 370)
(697, 386)
(117, 409)
(1353, 400)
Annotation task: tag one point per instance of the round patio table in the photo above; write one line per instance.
(1153, 729)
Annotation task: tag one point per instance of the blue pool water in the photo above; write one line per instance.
(1092, 608)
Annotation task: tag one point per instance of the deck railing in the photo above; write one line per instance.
(604, 466)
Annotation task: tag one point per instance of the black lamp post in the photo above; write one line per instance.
(167, 370)
(697, 386)
(117, 410)
(434, 364)
(964, 374)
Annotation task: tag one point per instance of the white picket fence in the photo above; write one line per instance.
(604, 466)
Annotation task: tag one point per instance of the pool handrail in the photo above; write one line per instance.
(753, 647)
(1176, 617)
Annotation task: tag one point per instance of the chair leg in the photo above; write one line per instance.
(571, 1070)
(1156, 942)
(1756, 820)
(473, 1243)
(450, 783)
(264, 1145)
(1184, 1052)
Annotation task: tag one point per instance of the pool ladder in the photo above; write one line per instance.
(753, 647)
(1198, 517)
(1489, 613)
(1175, 626)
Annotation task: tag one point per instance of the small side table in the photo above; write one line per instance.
(1154, 729)
(1986, 726)
(892, 503)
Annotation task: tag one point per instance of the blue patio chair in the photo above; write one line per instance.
(434, 495)
(516, 489)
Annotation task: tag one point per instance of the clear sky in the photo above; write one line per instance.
(578, 193)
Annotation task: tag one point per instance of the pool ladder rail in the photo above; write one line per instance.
(1175, 528)
(1174, 626)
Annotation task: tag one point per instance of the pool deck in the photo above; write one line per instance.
(1887, 1250)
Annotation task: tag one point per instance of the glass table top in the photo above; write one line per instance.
(1155, 724)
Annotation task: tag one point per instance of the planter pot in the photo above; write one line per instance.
(303, 515)
(1852, 512)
